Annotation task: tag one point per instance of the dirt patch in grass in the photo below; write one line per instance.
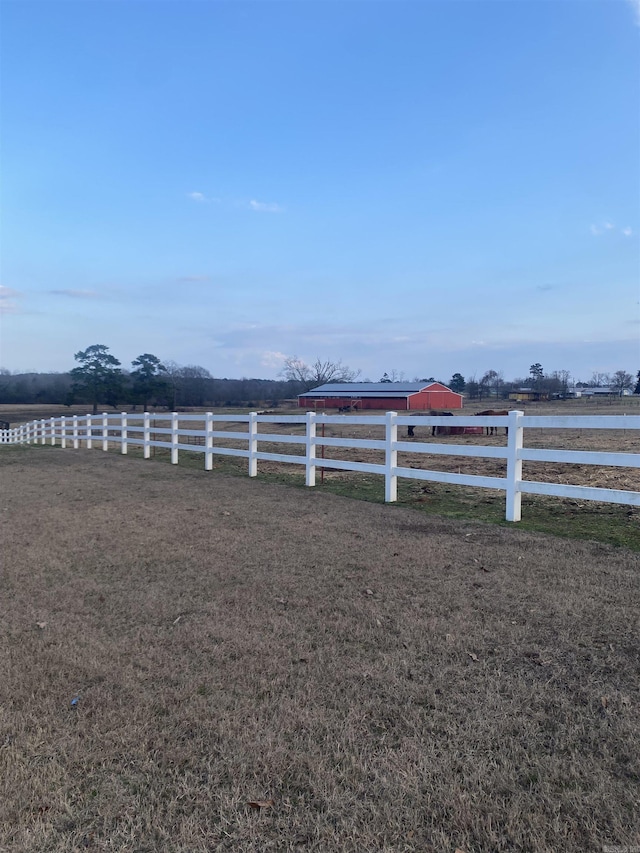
(177, 644)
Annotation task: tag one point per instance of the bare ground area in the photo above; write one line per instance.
(178, 644)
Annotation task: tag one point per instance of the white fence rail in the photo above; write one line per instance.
(168, 431)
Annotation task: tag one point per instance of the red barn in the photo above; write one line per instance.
(388, 396)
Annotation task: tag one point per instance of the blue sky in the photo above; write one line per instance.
(428, 187)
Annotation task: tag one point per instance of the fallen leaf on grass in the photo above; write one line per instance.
(41, 625)
(604, 701)
(473, 656)
(260, 804)
(368, 592)
(176, 620)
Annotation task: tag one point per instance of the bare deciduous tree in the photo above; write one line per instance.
(319, 373)
(393, 376)
(621, 381)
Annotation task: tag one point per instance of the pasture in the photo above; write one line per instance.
(198, 662)
(569, 517)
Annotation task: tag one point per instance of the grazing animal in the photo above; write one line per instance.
(434, 429)
(491, 430)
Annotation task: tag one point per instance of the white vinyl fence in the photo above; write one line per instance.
(173, 432)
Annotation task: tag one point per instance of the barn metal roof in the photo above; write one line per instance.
(368, 389)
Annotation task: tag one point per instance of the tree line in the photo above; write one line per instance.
(100, 380)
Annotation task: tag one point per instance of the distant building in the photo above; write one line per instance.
(528, 395)
(601, 391)
(388, 396)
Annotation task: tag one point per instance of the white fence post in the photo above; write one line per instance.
(123, 432)
(52, 423)
(75, 432)
(63, 431)
(253, 444)
(146, 436)
(208, 442)
(310, 472)
(43, 431)
(105, 431)
(514, 466)
(174, 438)
(391, 458)
(89, 432)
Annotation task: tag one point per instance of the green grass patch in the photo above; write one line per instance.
(613, 524)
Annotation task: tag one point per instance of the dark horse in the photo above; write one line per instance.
(432, 414)
(491, 430)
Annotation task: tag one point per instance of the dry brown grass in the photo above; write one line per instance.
(620, 441)
(393, 682)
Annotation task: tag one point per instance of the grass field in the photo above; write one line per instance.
(609, 523)
(177, 645)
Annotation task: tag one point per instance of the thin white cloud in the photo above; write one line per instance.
(75, 294)
(8, 300)
(272, 358)
(635, 5)
(603, 227)
(201, 198)
(194, 278)
(265, 207)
